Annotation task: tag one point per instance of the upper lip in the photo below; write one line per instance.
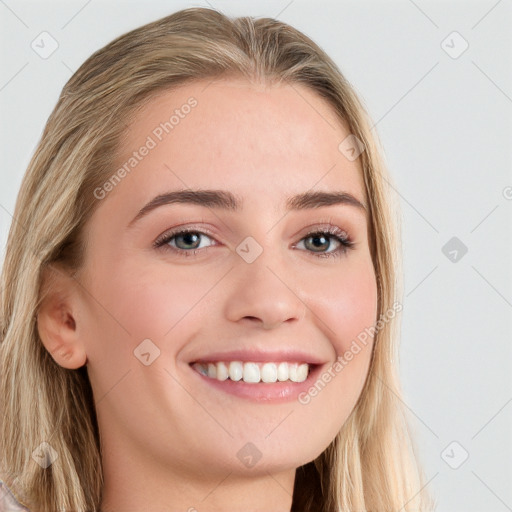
(261, 356)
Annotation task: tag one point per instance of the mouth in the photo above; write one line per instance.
(258, 381)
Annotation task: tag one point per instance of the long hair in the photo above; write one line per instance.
(372, 464)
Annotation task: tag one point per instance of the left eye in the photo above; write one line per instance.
(190, 241)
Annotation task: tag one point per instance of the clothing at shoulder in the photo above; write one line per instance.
(8, 502)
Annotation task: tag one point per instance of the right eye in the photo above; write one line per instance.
(188, 237)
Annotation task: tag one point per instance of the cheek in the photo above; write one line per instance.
(124, 313)
(348, 308)
(149, 304)
(347, 303)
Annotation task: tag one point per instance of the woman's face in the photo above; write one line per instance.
(248, 284)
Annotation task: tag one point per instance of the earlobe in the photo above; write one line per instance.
(56, 319)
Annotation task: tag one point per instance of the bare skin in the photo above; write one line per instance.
(169, 439)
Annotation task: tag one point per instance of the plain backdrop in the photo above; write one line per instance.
(436, 78)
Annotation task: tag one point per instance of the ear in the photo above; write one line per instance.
(57, 316)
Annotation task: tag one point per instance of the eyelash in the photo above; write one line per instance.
(339, 235)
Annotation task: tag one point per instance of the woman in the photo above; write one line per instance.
(253, 371)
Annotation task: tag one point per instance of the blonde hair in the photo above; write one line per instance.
(372, 464)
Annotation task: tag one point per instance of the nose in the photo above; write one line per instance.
(264, 293)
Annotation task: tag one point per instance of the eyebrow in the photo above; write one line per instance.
(222, 199)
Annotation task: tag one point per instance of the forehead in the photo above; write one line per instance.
(260, 141)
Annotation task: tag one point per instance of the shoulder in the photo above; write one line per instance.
(8, 502)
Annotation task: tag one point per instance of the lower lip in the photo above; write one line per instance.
(275, 392)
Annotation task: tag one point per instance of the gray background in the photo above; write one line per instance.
(445, 120)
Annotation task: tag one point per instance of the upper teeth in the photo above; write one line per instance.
(254, 372)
